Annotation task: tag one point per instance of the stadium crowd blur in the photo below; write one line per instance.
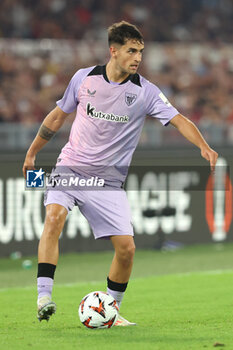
(30, 84)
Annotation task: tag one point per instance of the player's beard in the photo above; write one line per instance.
(133, 69)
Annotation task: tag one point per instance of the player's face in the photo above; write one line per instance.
(129, 56)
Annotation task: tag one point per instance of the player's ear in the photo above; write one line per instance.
(113, 50)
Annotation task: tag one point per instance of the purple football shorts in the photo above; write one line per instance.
(106, 210)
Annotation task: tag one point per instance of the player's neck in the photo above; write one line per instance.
(114, 74)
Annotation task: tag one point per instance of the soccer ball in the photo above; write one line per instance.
(98, 310)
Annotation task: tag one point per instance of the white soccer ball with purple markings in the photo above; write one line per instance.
(98, 310)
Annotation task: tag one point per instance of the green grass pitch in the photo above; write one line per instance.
(180, 300)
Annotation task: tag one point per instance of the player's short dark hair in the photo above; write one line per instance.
(119, 33)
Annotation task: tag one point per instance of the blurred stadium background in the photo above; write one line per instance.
(189, 55)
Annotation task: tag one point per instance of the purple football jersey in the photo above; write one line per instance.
(109, 120)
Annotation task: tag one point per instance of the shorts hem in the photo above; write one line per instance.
(57, 202)
(108, 235)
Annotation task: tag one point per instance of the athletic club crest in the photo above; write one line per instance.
(130, 98)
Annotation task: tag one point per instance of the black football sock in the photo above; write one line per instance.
(45, 278)
(116, 290)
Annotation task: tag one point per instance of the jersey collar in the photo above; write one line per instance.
(129, 77)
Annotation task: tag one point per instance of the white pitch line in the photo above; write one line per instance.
(182, 274)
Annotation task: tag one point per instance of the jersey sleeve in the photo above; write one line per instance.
(68, 103)
(158, 105)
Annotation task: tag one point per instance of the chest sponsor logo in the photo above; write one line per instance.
(130, 98)
(91, 112)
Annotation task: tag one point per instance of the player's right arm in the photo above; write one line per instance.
(56, 117)
(51, 124)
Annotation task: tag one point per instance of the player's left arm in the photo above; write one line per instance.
(189, 130)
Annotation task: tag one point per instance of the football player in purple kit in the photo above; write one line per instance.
(112, 102)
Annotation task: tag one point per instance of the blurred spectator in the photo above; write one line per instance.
(34, 75)
(159, 20)
(194, 69)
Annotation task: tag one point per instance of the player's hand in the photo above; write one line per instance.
(210, 155)
(29, 164)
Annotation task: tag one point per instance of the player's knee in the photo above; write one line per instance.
(55, 213)
(126, 253)
(53, 219)
(54, 222)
